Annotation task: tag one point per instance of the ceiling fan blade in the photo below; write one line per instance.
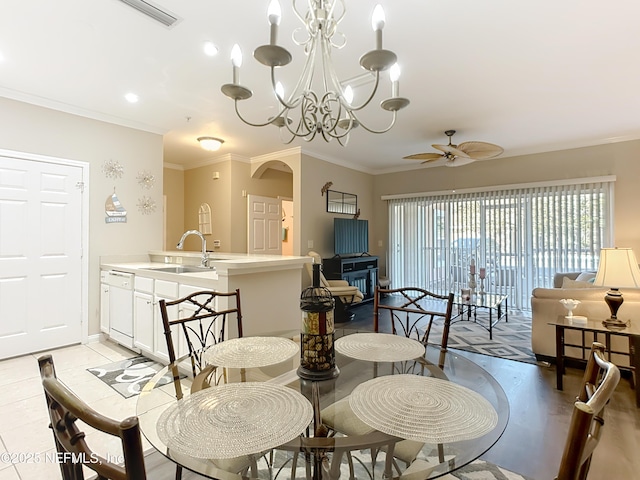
(424, 156)
(451, 149)
(480, 150)
(458, 162)
(438, 162)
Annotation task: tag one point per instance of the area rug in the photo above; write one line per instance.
(511, 340)
(476, 470)
(481, 470)
(128, 377)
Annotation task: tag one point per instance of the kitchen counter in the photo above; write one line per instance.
(269, 286)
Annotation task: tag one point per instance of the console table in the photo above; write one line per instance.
(632, 332)
(361, 272)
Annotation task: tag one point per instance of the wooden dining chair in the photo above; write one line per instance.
(599, 381)
(65, 409)
(598, 384)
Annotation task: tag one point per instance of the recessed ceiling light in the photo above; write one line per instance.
(131, 97)
(210, 49)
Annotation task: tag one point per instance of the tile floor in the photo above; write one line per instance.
(24, 429)
(531, 445)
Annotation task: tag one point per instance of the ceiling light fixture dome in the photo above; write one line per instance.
(319, 103)
(210, 144)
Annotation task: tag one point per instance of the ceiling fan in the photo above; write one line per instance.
(457, 155)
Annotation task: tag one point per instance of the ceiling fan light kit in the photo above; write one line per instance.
(323, 107)
(458, 155)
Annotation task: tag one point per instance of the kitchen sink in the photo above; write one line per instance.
(181, 269)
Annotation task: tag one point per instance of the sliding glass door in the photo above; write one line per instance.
(519, 236)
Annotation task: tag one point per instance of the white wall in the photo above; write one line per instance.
(32, 129)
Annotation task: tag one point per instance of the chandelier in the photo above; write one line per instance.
(329, 111)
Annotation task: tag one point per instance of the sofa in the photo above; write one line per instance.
(546, 306)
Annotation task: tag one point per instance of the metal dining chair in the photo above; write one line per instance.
(65, 410)
(192, 323)
(413, 312)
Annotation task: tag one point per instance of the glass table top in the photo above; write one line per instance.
(159, 411)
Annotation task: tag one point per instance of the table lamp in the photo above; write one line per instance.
(618, 268)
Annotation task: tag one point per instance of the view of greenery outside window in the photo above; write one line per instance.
(521, 236)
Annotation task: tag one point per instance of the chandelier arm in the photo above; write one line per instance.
(301, 130)
(371, 130)
(374, 90)
(285, 105)
(297, 12)
(251, 124)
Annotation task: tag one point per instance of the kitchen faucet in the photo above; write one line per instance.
(205, 255)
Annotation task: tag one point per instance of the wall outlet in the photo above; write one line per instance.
(309, 243)
(216, 243)
(379, 243)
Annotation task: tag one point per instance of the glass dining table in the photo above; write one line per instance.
(247, 413)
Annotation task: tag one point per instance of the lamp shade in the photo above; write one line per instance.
(618, 268)
(210, 143)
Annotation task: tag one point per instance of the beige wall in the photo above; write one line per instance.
(620, 159)
(173, 186)
(316, 222)
(227, 201)
(32, 129)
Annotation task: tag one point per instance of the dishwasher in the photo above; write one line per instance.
(120, 307)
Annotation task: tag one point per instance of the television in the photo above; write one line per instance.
(350, 236)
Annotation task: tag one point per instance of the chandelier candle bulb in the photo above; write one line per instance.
(377, 22)
(236, 61)
(394, 76)
(274, 13)
(483, 273)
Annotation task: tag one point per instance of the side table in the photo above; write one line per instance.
(632, 332)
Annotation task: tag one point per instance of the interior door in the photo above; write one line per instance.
(40, 255)
(265, 225)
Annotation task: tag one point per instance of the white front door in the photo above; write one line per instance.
(40, 255)
(265, 225)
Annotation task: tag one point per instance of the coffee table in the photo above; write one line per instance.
(496, 304)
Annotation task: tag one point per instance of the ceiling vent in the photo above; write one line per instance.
(153, 11)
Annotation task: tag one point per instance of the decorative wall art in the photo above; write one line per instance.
(112, 169)
(146, 179)
(116, 213)
(146, 205)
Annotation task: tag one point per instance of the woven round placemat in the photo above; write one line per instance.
(251, 352)
(234, 419)
(424, 409)
(379, 347)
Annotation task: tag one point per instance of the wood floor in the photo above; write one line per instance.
(533, 441)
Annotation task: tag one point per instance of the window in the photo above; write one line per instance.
(522, 236)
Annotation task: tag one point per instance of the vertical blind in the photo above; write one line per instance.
(522, 236)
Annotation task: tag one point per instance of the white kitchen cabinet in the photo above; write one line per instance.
(143, 326)
(163, 290)
(143, 316)
(104, 307)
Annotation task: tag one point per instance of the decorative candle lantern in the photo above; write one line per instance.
(317, 351)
